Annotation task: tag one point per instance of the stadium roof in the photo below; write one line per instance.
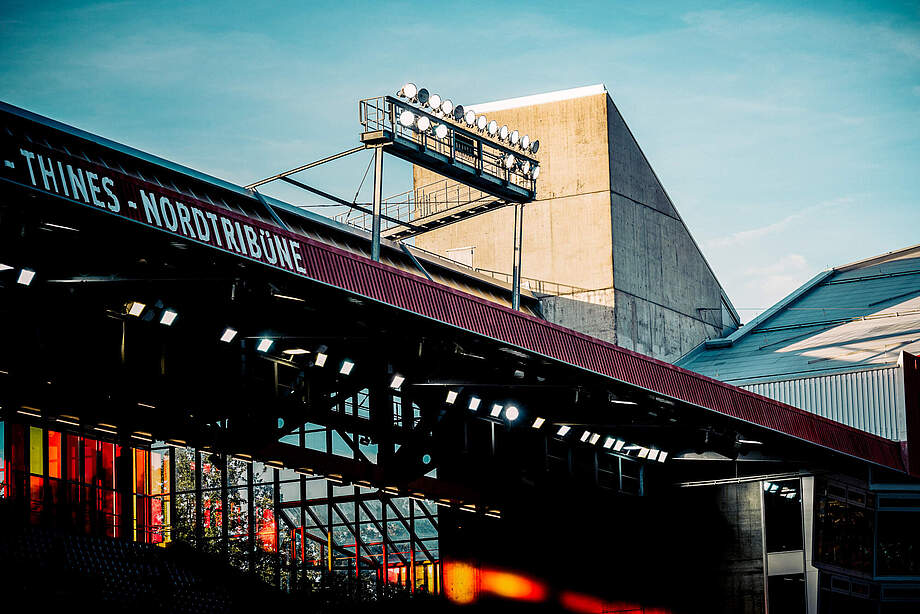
(853, 317)
(346, 268)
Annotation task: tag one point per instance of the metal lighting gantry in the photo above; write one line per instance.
(491, 166)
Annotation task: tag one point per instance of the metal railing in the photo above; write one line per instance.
(428, 201)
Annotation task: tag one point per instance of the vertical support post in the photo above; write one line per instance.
(516, 266)
(378, 203)
(411, 545)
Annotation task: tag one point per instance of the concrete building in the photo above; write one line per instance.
(603, 224)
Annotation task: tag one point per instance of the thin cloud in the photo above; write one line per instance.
(746, 236)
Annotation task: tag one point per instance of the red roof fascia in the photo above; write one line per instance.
(330, 265)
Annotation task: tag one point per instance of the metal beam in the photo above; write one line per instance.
(305, 167)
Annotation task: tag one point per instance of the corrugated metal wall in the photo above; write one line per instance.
(869, 400)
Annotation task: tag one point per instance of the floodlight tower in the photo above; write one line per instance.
(426, 130)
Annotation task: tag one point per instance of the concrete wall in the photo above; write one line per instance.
(742, 570)
(603, 222)
(567, 229)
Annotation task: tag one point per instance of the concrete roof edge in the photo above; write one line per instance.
(534, 99)
(876, 259)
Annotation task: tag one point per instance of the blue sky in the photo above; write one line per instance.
(788, 137)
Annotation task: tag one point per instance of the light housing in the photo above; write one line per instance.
(470, 118)
(492, 128)
(535, 146)
(525, 142)
(434, 101)
(441, 131)
(503, 133)
(135, 308)
(514, 137)
(537, 422)
(585, 435)
(423, 123)
(407, 118)
(228, 335)
(451, 397)
(496, 410)
(510, 161)
(512, 413)
(594, 438)
(25, 277)
(481, 122)
(409, 90)
(619, 445)
(608, 443)
(397, 381)
(563, 430)
(535, 171)
(459, 113)
(474, 403)
(662, 456)
(422, 96)
(264, 344)
(295, 351)
(169, 316)
(347, 366)
(447, 107)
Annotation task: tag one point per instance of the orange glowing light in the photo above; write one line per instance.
(461, 582)
(589, 604)
(512, 586)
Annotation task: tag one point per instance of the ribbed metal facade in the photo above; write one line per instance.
(869, 400)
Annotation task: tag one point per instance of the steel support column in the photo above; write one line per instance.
(378, 203)
(516, 265)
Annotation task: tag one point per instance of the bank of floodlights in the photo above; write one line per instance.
(444, 107)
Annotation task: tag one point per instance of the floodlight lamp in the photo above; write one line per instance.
(422, 96)
(169, 316)
(515, 137)
(503, 133)
(264, 344)
(459, 112)
(525, 142)
(135, 308)
(5, 267)
(347, 366)
(320, 359)
(643, 452)
(535, 171)
(423, 123)
(481, 122)
(653, 454)
(493, 128)
(585, 435)
(510, 161)
(407, 118)
(447, 107)
(409, 90)
(525, 167)
(25, 277)
(434, 102)
(474, 403)
(538, 422)
(594, 438)
(662, 456)
(295, 351)
(470, 118)
(228, 335)
(496, 410)
(608, 443)
(563, 430)
(512, 413)
(451, 397)
(619, 445)
(397, 381)
(441, 131)
(535, 146)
